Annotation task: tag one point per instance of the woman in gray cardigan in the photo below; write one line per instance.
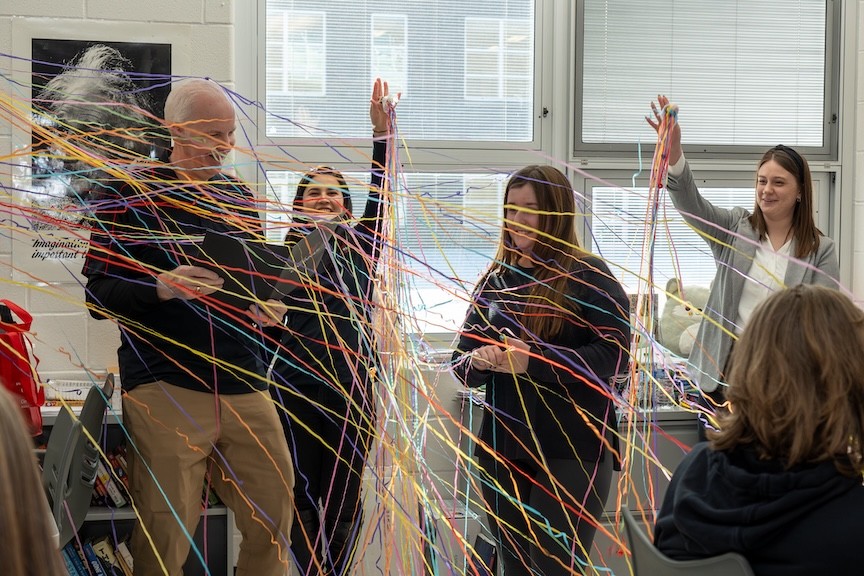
(776, 246)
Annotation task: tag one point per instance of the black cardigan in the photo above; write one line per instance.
(549, 408)
(327, 338)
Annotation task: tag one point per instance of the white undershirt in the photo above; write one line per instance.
(677, 168)
(765, 277)
(766, 274)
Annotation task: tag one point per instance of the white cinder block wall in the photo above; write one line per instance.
(202, 34)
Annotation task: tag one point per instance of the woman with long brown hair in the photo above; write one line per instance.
(774, 246)
(547, 328)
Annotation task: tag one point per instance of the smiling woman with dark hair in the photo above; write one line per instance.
(325, 365)
(780, 483)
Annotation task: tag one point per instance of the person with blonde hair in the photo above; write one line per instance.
(27, 530)
(781, 481)
(546, 330)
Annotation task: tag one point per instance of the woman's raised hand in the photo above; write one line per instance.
(658, 109)
(379, 107)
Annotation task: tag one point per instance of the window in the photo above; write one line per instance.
(321, 55)
(467, 74)
(746, 73)
(497, 59)
(618, 233)
(390, 51)
(436, 212)
(296, 54)
(477, 78)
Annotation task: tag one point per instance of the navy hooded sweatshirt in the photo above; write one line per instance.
(805, 520)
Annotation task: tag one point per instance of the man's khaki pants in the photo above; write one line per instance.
(176, 436)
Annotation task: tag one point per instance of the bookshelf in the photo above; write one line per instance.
(214, 535)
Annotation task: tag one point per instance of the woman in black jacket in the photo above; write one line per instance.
(547, 328)
(324, 369)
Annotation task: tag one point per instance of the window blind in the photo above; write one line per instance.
(618, 233)
(464, 67)
(745, 72)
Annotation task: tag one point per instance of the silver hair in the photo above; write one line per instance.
(96, 103)
(181, 101)
(96, 95)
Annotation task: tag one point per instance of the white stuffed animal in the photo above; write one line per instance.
(679, 322)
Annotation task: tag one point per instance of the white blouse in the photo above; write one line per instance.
(765, 277)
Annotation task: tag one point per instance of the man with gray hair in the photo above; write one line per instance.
(195, 400)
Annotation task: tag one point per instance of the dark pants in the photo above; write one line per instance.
(329, 436)
(543, 528)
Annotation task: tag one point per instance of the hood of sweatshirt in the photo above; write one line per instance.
(733, 501)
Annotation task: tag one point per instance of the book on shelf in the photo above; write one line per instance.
(94, 557)
(119, 471)
(124, 557)
(100, 494)
(92, 560)
(68, 563)
(73, 557)
(104, 550)
(115, 496)
(111, 485)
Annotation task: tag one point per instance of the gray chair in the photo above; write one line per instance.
(70, 460)
(648, 561)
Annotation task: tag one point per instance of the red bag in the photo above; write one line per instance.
(17, 370)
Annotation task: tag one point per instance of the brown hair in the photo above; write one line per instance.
(25, 526)
(308, 180)
(555, 249)
(804, 227)
(796, 384)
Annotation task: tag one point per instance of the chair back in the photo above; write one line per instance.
(69, 466)
(647, 560)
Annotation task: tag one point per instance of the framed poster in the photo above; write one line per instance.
(59, 160)
(74, 144)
